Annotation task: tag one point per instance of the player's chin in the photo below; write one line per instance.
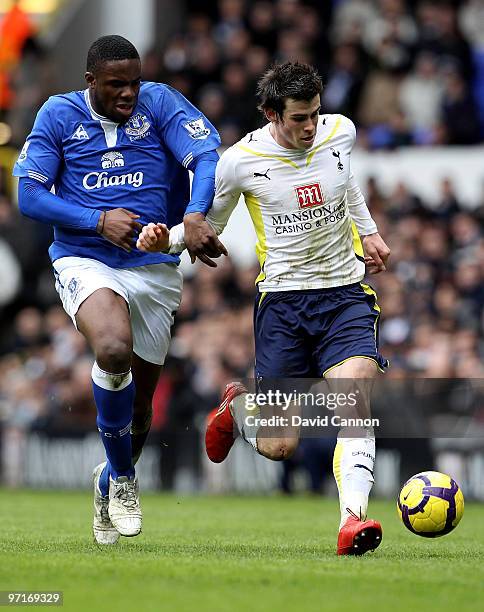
(121, 114)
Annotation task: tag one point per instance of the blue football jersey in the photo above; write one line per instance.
(140, 165)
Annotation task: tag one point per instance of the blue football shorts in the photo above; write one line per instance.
(303, 334)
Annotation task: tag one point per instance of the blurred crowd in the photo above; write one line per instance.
(407, 73)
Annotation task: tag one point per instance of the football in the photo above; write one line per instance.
(430, 504)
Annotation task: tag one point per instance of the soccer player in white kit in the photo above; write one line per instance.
(314, 318)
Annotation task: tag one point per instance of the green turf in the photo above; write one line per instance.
(234, 553)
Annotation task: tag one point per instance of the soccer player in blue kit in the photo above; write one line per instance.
(118, 155)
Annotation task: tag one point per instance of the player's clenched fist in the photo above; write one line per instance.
(154, 237)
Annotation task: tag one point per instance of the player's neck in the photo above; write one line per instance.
(92, 102)
(281, 141)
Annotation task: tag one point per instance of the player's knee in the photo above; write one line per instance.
(113, 354)
(277, 449)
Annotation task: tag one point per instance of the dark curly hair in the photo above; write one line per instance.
(289, 80)
(108, 49)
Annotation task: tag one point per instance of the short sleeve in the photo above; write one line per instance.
(41, 156)
(184, 129)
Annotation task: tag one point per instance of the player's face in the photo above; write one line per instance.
(114, 88)
(297, 127)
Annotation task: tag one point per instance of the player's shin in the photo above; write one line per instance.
(114, 397)
(140, 428)
(353, 464)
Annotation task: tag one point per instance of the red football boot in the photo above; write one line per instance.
(221, 429)
(358, 537)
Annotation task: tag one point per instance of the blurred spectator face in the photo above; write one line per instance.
(181, 83)
(198, 25)
(28, 325)
(392, 8)
(291, 46)
(433, 244)
(455, 86)
(231, 10)
(56, 319)
(446, 300)
(464, 230)
(288, 11)
(151, 66)
(308, 24)
(237, 45)
(426, 66)
(346, 58)
(235, 79)
(212, 103)
(467, 277)
(296, 129)
(230, 133)
(206, 56)
(176, 55)
(257, 61)
(261, 17)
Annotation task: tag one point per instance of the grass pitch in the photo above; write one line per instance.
(234, 553)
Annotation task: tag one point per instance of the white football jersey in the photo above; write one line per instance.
(305, 205)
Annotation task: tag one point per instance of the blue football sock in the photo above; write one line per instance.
(104, 480)
(114, 396)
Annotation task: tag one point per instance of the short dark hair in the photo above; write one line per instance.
(289, 80)
(109, 49)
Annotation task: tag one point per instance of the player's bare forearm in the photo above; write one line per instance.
(376, 253)
(119, 226)
(154, 238)
(201, 240)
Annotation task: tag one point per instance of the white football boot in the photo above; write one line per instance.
(104, 531)
(124, 507)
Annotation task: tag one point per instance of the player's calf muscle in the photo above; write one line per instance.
(277, 449)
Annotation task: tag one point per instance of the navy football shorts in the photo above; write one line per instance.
(303, 334)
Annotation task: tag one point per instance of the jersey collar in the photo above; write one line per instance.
(95, 115)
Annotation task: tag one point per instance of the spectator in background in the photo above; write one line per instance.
(15, 30)
(421, 97)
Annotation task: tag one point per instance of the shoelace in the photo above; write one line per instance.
(104, 510)
(126, 493)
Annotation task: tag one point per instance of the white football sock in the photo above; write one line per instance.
(353, 463)
(240, 412)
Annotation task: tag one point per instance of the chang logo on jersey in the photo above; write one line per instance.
(137, 127)
(102, 180)
(309, 195)
(112, 159)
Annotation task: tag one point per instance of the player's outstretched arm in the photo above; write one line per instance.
(154, 238)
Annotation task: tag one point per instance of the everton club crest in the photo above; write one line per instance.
(137, 127)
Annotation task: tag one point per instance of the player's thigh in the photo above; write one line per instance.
(281, 347)
(96, 302)
(154, 297)
(350, 332)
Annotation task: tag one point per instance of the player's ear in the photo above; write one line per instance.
(90, 79)
(271, 115)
